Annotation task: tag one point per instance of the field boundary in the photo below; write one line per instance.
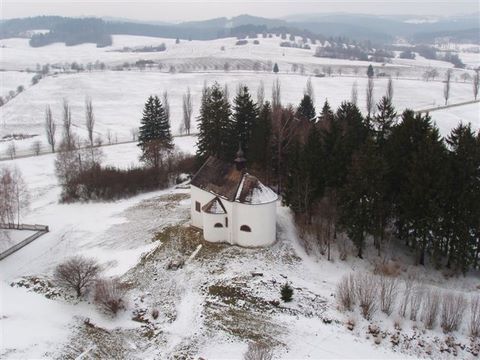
(48, 152)
(446, 106)
(40, 230)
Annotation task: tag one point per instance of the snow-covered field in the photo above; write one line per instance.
(11, 80)
(119, 97)
(10, 237)
(18, 55)
(447, 119)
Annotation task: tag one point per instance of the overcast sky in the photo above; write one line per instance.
(181, 10)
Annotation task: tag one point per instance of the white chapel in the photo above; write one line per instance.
(232, 206)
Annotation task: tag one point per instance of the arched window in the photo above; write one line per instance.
(218, 225)
(245, 228)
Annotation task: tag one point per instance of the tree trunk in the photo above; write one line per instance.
(422, 252)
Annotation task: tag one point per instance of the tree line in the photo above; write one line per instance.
(377, 178)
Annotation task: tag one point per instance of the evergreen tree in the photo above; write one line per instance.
(370, 72)
(244, 118)
(418, 167)
(306, 110)
(286, 292)
(331, 139)
(214, 138)
(354, 131)
(275, 68)
(361, 198)
(383, 120)
(259, 147)
(461, 211)
(327, 114)
(154, 136)
(304, 183)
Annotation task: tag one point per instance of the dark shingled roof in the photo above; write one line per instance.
(224, 180)
(219, 177)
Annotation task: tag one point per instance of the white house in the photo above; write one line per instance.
(232, 206)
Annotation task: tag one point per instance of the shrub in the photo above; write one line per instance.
(155, 314)
(390, 268)
(77, 273)
(409, 284)
(474, 326)
(388, 293)
(286, 292)
(453, 306)
(346, 292)
(110, 183)
(366, 293)
(415, 302)
(258, 351)
(431, 305)
(109, 295)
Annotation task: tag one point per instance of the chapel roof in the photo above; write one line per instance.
(226, 181)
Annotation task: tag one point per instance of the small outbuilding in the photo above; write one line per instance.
(232, 206)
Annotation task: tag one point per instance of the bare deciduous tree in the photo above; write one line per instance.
(389, 93)
(134, 133)
(369, 96)
(14, 195)
(276, 95)
(166, 105)
(258, 351)
(12, 150)
(187, 111)
(109, 295)
(50, 128)
(36, 147)
(354, 95)
(109, 136)
(68, 142)
(430, 308)
(453, 306)
(476, 84)
(446, 86)
(226, 93)
(76, 273)
(89, 119)
(465, 76)
(260, 94)
(309, 89)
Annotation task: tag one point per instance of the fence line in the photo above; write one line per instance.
(442, 107)
(40, 230)
(46, 149)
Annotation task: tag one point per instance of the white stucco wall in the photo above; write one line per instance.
(210, 232)
(260, 218)
(262, 221)
(202, 197)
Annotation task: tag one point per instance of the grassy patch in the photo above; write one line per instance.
(182, 240)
